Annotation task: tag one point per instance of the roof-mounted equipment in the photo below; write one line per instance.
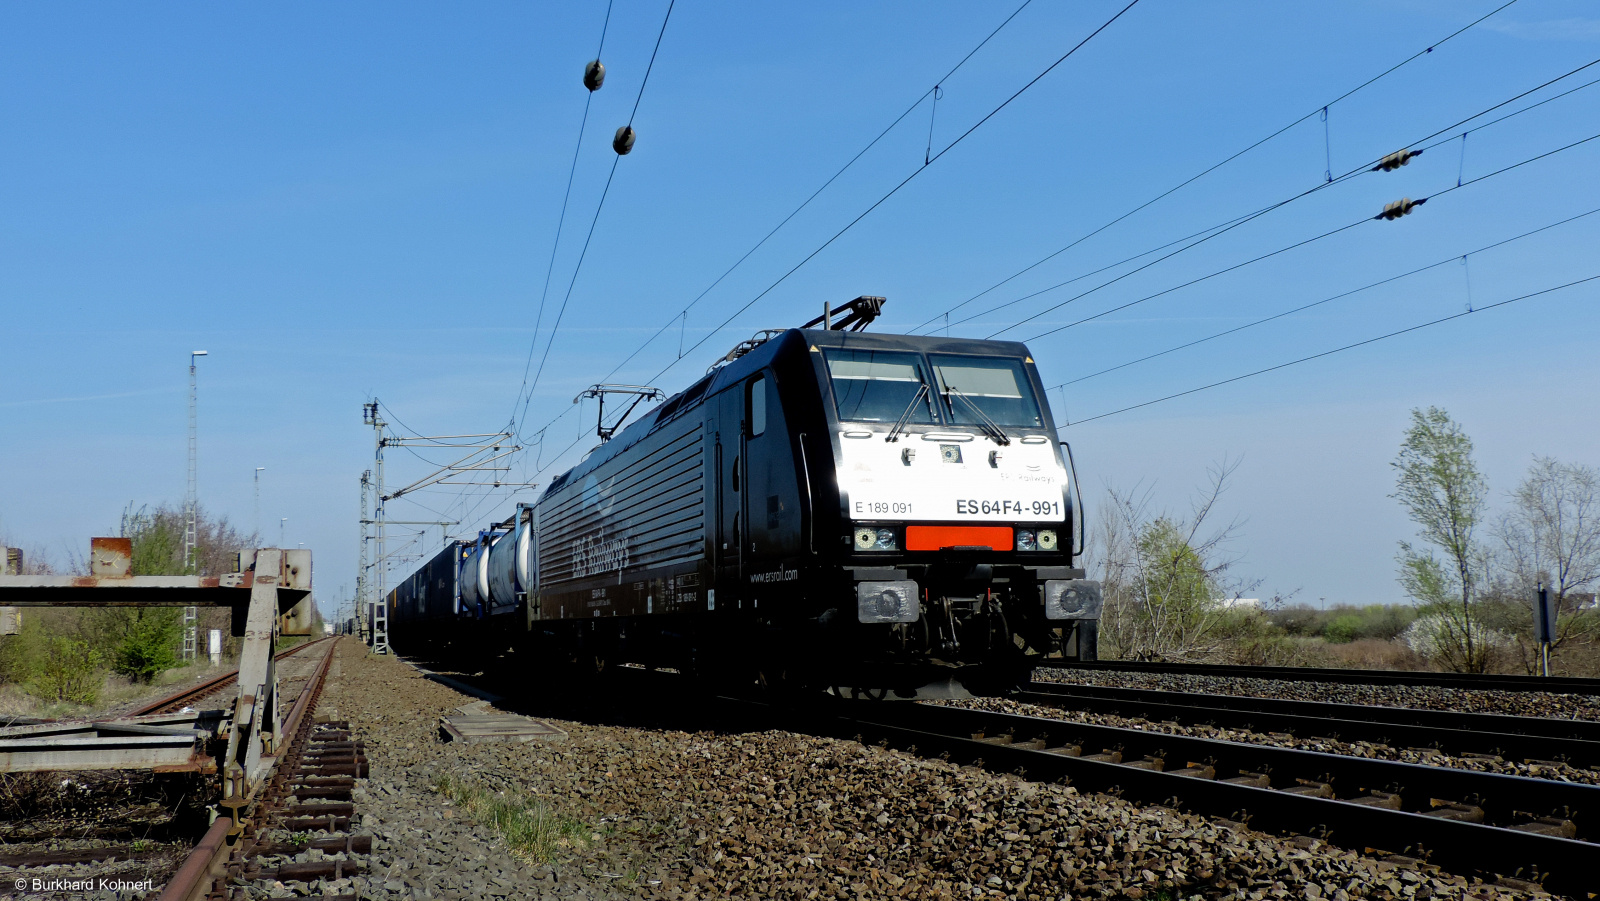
(639, 393)
(747, 345)
(859, 314)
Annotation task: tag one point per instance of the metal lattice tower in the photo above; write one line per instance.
(363, 588)
(380, 618)
(191, 503)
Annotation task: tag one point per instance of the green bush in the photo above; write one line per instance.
(1343, 624)
(68, 670)
(1345, 628)
(147, 647)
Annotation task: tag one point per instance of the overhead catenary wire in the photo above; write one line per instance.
(572, 171)
(1237, 154)
(605, 192)
(681, 354)
(682, 315)
(1317, 356)
(679, 318)
(1297, 244)
(1206, 234)
(1316, 303)
(908, 179)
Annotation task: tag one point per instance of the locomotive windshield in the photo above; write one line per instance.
(997, 387)
(879, 385)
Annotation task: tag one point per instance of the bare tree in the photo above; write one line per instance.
(1161, 577)
(1552, 535)
(158, 541)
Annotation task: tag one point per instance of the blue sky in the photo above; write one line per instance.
(356, 201)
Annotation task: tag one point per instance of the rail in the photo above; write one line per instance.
(182, 697)
(226, 844)
(1523, 738)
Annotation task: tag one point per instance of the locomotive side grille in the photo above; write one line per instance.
(642, 510)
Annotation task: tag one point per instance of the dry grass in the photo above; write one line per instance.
(1373, 653)
(534, 831)
(116, 694)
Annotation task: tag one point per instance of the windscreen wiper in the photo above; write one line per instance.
(989, 426)
(905, 418)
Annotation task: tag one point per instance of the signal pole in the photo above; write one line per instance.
(191, 501)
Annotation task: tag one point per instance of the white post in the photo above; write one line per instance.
(259, 470)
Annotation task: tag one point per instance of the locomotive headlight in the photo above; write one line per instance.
(1047, 539)
(1071, 599)
(887, 602)
(1025, 540)
(869, 538)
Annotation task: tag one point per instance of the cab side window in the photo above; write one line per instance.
(756, 405)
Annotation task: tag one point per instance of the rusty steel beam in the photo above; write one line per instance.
(110, 567)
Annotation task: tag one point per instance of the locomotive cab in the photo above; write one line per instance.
(956, 524)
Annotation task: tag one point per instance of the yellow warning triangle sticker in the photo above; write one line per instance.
(815, 351)
(1029, 359)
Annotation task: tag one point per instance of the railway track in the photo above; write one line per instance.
(1470, 823)
(189, 697)
(1526, 739)
(304, 806)
(1490, 682)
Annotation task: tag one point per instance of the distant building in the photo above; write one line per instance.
(1250, 603)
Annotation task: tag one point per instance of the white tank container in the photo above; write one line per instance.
(475, 575)
(509, 569)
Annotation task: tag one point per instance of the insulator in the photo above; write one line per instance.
(1395, 160)
(623, 142)
(1401, 207)
(594, 75)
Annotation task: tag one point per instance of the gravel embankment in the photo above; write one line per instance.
(1515, 703)
(130, 810)
(1552, 770)
(774, 815)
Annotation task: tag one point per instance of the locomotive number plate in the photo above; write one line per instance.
(933, 503)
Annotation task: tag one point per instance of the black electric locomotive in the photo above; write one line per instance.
(826, 507)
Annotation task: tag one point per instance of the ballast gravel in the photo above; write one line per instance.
(1427, 697)
(776, 815)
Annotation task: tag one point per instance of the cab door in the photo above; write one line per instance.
(732, 516)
